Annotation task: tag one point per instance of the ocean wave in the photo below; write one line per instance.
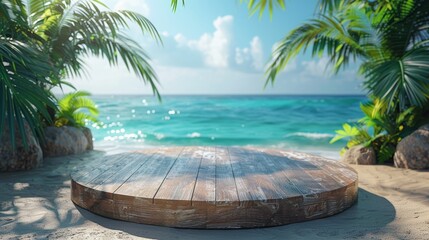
(194, 135)
(310, 135)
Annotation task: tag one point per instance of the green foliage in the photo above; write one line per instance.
(254, 6)
(44, 41)
(23, 69)
(72, 30)
(75, 109)
(347, 132)
(389, 37)
(174, 4)
(259, 6)
(380, 129)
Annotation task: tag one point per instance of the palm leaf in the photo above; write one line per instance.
(403, 81)
(74, 29)
(326, 34)
(174, 4)
(75, 108)
(22, 99)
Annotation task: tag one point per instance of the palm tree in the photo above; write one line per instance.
(75, 29)
(389, 38)
(22, 69)
(43, 41)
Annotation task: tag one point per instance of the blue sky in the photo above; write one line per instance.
(215, 47)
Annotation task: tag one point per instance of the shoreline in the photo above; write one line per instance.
(115, 148)
(393, 204)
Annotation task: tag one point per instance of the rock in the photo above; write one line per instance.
(360, 155)
(413, 151)
(20, 158)
(88, 134)
(64, 141)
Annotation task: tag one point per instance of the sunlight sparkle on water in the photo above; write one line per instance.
(159, 136)
(194, 135)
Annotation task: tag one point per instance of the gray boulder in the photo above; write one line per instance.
(62, 141)
(20, 158)
(88, 134)
(413, 151)
(360, 155)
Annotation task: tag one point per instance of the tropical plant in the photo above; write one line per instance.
(390, 41)
(43, 41)
(74, 109)
(380, 129)
(72, 30)
(23, 69)
(389, 38)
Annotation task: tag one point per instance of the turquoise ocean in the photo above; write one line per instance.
(302, 123)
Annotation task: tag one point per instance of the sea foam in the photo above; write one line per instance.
(310, 135)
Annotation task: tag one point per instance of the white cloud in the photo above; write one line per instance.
(181, 40)
(252, 55)
(139, 6)
(241, 55)
(257, 53)
(214, 46)
(191, 80)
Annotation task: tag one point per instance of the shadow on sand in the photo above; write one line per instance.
(37, 204)
(368, 215)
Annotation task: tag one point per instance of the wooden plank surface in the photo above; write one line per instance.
(94, 169)
(214, 187)
(133, 163)
(130, 163)
(148, 179)
(275, 173)
(257, 178)
(244, 194)
(226, 190)
(304, 182)
(205, 187)
(179, 183)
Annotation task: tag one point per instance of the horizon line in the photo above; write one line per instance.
(229, 94)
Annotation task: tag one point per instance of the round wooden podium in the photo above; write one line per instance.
(214, 187)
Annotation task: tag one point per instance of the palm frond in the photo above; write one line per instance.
(75, 108)
(22, 101)
(73, 29)
(327, 34)
(405, 25)
(259, 6)
(130, 53)
(404, 81)
(174, 4)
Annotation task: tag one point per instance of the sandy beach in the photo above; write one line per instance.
(393, 204)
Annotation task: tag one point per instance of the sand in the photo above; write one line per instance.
(393, 204)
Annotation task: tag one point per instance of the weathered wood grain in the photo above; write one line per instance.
(226, 190)
(148, 179)
(214, 187)
(179, 184)
(205, 187)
